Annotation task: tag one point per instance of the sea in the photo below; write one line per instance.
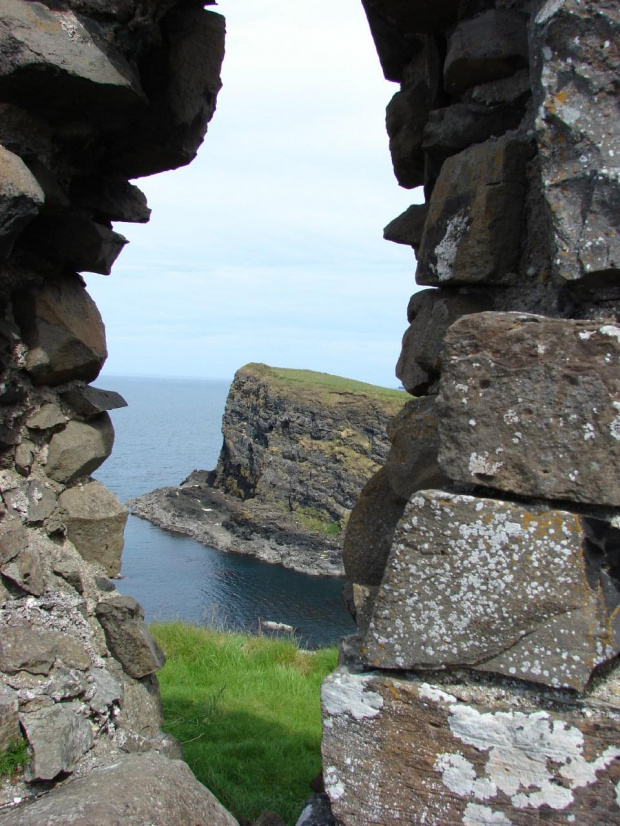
(169, 428)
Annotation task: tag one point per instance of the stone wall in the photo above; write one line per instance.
(483, 685)
(91, 94)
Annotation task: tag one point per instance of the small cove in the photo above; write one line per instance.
(171, 427)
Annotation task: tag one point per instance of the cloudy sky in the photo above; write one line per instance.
(269, 246)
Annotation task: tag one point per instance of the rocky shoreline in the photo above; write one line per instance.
(221, 521)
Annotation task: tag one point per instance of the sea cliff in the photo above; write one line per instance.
(298, 447)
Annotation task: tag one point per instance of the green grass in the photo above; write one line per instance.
(247, 710)
(14, 758)
(317, 520)
(313, 381)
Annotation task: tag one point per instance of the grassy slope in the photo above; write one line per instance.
(326, 385)
(247, 710)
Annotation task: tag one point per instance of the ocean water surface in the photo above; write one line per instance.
(171, 427)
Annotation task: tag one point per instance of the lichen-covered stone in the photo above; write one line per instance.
(64, 332)
(79, 449)
(473, 229)
(399, 750)
(493, 585)
(532, 405)
(127, 637)
(9, 716)
(26, 571)
(35, 650)
(33, 501)
(47, 417)
(95, 521)
(135, 790)
(578, 132)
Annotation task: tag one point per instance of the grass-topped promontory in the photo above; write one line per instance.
(247, 710)
(326, 385)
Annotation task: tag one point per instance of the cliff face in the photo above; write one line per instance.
(483, 557)
(298, 448)
(91, 95)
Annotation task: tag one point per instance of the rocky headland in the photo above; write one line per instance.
(298, 447)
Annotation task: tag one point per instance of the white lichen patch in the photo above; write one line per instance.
(345, 693)
(436, 695)
(333, 784)
(611, 330)
(614, 425)
(527, 753)
(588, 432)
(481, 465)
(477, 815)
(446, 250)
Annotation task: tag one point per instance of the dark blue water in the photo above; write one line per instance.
(170, 428)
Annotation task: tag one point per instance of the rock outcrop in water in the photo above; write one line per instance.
(298, 448)
(483, 685)
(91, 94)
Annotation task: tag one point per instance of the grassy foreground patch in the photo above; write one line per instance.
(247, 711)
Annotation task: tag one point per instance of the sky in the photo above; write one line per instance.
(269, 247)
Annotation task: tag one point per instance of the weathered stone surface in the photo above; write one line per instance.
(54, 62)
(13, 539)
(497, 586)
(531, 405)
(127, 637)
(317, 812)
(58, 736)
(488, 47)
(90, 401)
(48, 416)
(108, 691)
(74, 242)
(95, 521)
(26, 648)
(33, 501)
(408, 751)
(370, 529)
(110, 200)
(408, 227)
(21, 198)
(412, 461)
(64, 332)
(138, 789)
(578, 132)
(27, 571)
(407, 113)
(79, 449)
(9, 716)
(453, 128)
(430, 313)
(473, 229)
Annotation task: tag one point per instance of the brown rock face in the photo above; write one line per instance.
(80, 449)
(127, 637)
(530, 405)
(399, 750)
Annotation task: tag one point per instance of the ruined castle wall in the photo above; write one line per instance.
(92, 94)
(483, 684)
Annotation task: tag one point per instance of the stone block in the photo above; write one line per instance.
(454, 128)
(473, 230)
(60, 67)
(110, 199)
(64, 332)
(9, 716)
(412, 461)
(578, 133)
(407, 114)
(35, 650)
(500, 587)
(369, 531)
(127, 637)
(59, 736)
(21, 198)
(90, 401)
(137, 789)
(47, 417)
(430, 313)
(531, 405)
(408, 227)
(74, 242)
(95, 521)
(108, 691)
(13, 540)
(79, 449)
(399, 750)
(27, 572)
(488, 47)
